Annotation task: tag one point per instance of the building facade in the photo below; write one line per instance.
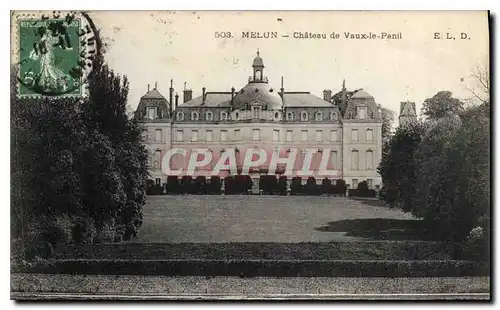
(261, 116)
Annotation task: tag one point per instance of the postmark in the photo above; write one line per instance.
(55, 53)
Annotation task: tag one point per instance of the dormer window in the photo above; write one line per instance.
(303, 116)
(319, 116)
(289, 116)
(195, 116)
(333, 116)
(209, 116)
(256, 112)
(152, 112)
(361, 112)
(180, 116)
(223, 116)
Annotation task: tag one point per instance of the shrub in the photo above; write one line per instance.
(268, 184)
(200, 185)
(326, 186)
(340, 187)
(83, 231)
(282, 185)
(173, 186)
(186, 184)
(215, 185)
(311, 186)
(296, 186)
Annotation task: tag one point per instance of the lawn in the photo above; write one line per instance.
(188, 219)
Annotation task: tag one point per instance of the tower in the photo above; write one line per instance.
(407, 113)
(258, 68)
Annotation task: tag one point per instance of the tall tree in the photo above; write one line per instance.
(441, 104)
(387, 116)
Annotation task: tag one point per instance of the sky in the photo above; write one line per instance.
(154, 47)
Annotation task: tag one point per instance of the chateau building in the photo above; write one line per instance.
(259, 115)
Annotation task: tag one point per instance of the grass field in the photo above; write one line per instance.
(179, 219)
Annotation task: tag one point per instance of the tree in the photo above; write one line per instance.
(326, 186)
(441, 104)
(398, 166)
(478, 84)
(387, 116)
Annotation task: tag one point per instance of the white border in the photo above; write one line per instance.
(196, 5)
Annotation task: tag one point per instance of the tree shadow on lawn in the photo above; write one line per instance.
(381, 229)
(372, 202)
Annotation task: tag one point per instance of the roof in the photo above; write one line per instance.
(407, 109)
(212, 99)
(361, 94)
(304, 100)
(153, 94)
(259, 91)
(258, 62)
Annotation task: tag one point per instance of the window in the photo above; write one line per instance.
(289, 116)
(209, 116)
(152, 112)
(276, 135)
(333, 116)
(223, 116)
(318, 116)
(354, 183)
(158, 159)
(276, 115)
(194, 135)
(369, 135)
(256, 135)
(370, 183)
(354, 135)
(362, 112)
(303, 116)
(369, 159)
(258, 75)
(223, 135)
(236, 115)
(335, 159)
(195, 116)
(237, 135)
(354, 160)
(158, 135)
(180, 135)
(158, 181)
(289, 135)
(303, 135)
(333, 135)
(209, 135)
(256, 112)
(319, 135)
(180, 116)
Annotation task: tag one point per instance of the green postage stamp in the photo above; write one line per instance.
(54, 53)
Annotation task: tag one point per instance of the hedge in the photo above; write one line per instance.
(264, 268)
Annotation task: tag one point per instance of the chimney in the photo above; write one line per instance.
(171, 95)
(282, 90)
(203, 95)
(156, 85)
(176, 101)
(327, 95)
(148, 87)
(232, 95)
(188, 95)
